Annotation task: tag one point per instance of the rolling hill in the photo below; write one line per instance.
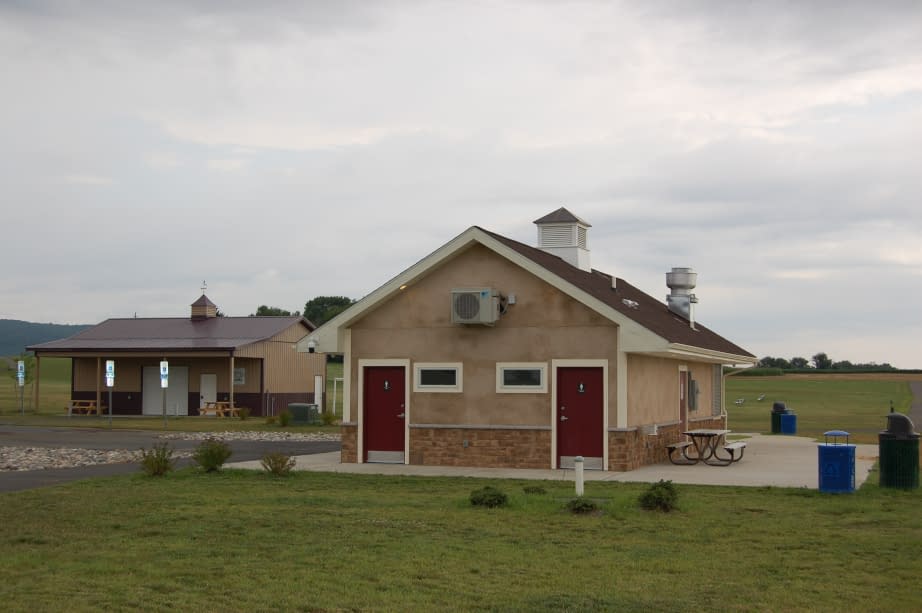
(15, 335)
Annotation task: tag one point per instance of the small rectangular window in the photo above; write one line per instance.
(521, 378)
(529, 377)
(437, 377)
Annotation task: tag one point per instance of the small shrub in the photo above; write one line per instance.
(270, 420)
(661, 496)
(489, 497)
(534, 489)
(279, 464)
(284, 418)
(243, 413)
(328, 418)
(157, 461)
(211, 454)
(581, 506)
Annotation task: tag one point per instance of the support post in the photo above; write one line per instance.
(578, 467)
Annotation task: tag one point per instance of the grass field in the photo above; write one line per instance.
(55, 388)
(857, 404)
(246, 541)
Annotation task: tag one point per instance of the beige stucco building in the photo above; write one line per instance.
(489, 352)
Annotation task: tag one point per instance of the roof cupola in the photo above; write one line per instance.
(565, 235)
(203, 308)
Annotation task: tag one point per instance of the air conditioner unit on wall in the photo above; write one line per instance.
(475, 306)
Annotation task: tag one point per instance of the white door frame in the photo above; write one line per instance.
(360, 418)
(555, 364)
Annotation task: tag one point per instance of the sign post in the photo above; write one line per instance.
(21, 379)
(164, 384)
(110, 383)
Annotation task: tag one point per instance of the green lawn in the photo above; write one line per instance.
(55, 388)
(246, 541)
(858, 405)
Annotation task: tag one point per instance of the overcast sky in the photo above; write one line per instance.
(282, 150)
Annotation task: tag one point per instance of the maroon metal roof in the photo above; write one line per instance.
(628, 300)
(173, 333)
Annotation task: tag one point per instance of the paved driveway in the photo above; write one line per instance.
(104, 439)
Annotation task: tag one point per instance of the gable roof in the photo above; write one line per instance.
(174, 334)
(647, 326)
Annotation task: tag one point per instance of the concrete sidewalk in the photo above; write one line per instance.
(772, 460)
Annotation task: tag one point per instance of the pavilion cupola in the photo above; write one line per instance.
(203, 308)
(565, 235)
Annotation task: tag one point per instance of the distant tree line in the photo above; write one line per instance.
(821, 361)
(317, 310)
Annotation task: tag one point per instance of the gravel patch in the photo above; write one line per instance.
(43, 458)
(252, 436)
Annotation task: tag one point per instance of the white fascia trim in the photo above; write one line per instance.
(707, 355)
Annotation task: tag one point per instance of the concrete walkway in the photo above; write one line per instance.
(770, 460)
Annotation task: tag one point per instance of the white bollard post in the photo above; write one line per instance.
(578, 466)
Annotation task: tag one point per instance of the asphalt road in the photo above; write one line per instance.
(90, 438)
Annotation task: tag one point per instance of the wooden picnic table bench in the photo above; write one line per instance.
(219, 409)
(84, 407)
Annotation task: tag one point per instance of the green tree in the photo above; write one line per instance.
(268, 311)
(821, 361)
(799, 362)
(322, 309)
(770, 362)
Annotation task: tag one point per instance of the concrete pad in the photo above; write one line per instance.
(770, 460)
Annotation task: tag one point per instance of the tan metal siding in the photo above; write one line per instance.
(289, 371)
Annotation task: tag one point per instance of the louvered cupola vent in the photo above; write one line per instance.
(566, 236)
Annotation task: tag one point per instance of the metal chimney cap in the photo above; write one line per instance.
(681, 278)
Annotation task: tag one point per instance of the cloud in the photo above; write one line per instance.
(775, 148)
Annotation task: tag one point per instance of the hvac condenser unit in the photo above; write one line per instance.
(475, 306)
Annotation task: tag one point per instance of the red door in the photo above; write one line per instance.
(579, 414)
(384, 413)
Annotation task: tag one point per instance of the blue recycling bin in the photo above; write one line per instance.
(836, 463)
(788, 423)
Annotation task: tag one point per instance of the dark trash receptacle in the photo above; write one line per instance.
(836, 463)
(303, 413)
(899, 453)
(778, 409)
(788, 423)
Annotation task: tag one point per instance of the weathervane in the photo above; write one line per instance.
(204, 286)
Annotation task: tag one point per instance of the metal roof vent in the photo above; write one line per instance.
(681, 281)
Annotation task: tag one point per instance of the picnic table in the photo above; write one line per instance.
(706, 442)
(219, 409)
(84, 407)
